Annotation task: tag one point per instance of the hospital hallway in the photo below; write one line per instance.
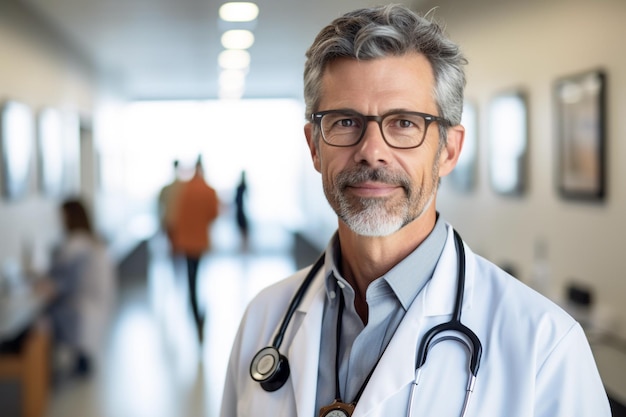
(153, 365)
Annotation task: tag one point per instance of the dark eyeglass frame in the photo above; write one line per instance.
(316, 118)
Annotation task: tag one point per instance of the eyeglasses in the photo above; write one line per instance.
(400, 129)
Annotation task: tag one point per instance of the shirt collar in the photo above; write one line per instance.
(406, 279)
(331, 268)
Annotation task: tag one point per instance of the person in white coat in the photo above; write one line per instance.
(82, 289)
(384, 95)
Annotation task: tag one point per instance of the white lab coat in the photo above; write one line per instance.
(536, 360)
(87, 277)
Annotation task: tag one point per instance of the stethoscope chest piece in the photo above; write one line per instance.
(270, 369)
(337, 409)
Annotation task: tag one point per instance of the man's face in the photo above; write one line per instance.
(373, 188)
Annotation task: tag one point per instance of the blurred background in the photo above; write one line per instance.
(99, 98)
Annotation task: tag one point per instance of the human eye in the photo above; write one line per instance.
(405, 122)
(341, 122)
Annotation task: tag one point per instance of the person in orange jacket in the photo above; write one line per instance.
(196, 209)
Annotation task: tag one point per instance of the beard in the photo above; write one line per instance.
(380, 216)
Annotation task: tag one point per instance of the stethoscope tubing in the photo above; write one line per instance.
(268, 367)
(296, 299)
(454, 325)
(472, 344)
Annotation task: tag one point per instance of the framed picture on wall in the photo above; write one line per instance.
(17, 137)
(71, 153)
(463, 177)
(50, 155)
(508, 143)
(580, 112)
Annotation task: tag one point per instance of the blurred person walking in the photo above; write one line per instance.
(240, 211)
(196, 209)
(167, 202)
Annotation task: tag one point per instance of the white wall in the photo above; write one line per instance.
(528, 45)
(40, 70)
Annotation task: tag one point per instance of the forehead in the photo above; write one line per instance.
(405, 81)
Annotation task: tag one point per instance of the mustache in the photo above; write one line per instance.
(359, 174)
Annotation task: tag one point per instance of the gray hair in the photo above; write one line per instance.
(390, 30)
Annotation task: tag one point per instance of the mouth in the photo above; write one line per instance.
(364, 182)
(371, 189)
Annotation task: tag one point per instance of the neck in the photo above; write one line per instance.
(364, 258)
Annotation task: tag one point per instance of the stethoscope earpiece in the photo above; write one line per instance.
(270, 369)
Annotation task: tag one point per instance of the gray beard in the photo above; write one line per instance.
(370, 216)
(374, 219)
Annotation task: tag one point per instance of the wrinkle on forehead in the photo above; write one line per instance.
(379, 85)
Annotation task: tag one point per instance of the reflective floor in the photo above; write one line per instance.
(153, 365)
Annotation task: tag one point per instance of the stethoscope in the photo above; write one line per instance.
(271, 369)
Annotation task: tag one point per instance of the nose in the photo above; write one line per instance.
(372, 148)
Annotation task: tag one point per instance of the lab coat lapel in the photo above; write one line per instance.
(439, 294)
(304, 350)
(396, 368)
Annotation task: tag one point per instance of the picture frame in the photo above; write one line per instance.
(17, 143)
(50, 152)
(581, 135)
(508, 142)
(463, 177)
(71, 153)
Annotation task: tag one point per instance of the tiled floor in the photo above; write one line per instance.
(153, 365)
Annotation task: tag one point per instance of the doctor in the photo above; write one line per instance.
(384, 94)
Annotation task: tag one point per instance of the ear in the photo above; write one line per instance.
(451, 150)
(308, 133)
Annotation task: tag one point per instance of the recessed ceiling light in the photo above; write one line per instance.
(237, 39)
(234, 59)
(239, 12)
(232, 77)
(230, 93)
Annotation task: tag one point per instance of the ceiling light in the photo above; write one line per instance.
(232, 78)
(237, 39)
(234, 59)
(232, 83)
(239, 12)
(231, 93)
